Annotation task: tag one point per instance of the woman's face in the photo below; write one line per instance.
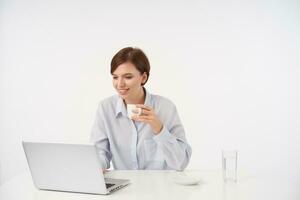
(127, 80)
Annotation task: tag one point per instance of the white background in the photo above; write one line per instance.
(231, 67)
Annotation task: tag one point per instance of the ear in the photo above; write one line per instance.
(144, 78)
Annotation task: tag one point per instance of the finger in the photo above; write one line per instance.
(143, 107)
(141, 118)
(146, 112)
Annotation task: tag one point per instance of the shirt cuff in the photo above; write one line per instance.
(164, 136)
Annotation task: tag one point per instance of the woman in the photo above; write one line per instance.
(155, 139)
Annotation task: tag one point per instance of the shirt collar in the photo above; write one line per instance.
(147, 99)
(120, 106)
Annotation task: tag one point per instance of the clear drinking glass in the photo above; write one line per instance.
(229, 165)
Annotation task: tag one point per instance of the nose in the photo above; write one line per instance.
(121, 83)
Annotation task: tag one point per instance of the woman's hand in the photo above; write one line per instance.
(147, 115)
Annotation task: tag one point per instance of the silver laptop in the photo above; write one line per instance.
(68, 167)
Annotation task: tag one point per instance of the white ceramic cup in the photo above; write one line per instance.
(131, 108)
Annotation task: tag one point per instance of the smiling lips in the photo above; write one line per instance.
(122, 91)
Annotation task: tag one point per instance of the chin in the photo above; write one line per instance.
(124, 96)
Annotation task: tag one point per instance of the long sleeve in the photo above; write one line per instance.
(172, 142)
(100, 139)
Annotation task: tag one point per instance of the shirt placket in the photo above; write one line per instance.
(134, 158)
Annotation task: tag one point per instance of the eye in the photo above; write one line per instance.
(115, 77)
(128, 77)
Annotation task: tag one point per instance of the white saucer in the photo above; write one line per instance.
(185, 180)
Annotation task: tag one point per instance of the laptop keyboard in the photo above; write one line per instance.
(108, 185)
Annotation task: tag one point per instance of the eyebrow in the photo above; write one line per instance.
(123, 74)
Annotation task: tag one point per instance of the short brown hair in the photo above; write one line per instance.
(133, 55)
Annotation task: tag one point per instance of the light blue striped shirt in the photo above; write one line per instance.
(133, 145)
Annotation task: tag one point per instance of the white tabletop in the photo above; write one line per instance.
(159, 185)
